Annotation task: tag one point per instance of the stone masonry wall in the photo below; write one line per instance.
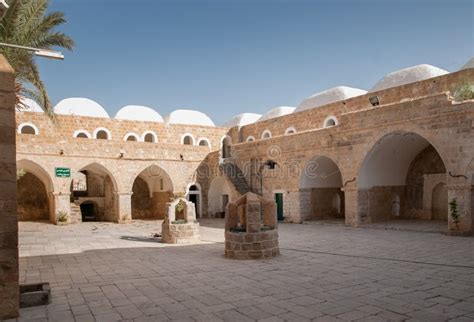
(9, 289)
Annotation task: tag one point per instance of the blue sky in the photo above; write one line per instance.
(225, 57)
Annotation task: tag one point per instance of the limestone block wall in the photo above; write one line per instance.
(9, 289)
(33, 203)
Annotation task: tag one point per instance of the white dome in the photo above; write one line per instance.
(138, 113)
(277, 111)
(469, 64)
(80, 107)
(189, 117)
(243, 119)
(329, 96)
(29, 105)
(408, 75)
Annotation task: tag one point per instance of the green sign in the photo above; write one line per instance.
(63, 172)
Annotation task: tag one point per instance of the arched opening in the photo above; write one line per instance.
(188, 140)
(321, 197)
(194, 195)
(290, 130)
(266, 134)
(250, 139)
(406, 165)
(330, 121)
(226, 147)
(34, 192)
(82, 135)
(218, 196)
(204, 142)
(93, 195)
(149, 137)
(131, 137)
(28, 128)
(152, 189)
(102, 135)
(439, 202)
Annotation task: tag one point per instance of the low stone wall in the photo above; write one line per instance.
(251, 245)
(180, 233)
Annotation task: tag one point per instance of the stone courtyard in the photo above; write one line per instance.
(326, 272)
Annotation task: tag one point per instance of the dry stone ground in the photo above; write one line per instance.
(109, 272)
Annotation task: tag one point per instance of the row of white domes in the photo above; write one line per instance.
(87, 107)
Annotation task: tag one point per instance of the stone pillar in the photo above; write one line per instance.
(9, 289)
(352, 211)
(463, 196)
(124, 207)
(62, 203)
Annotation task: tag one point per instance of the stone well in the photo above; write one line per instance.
(180, 225)
(251, 228)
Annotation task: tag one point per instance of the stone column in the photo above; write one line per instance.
(463, 196)
(62, 203)
(9, 289)
(352, 212)
(124, 200)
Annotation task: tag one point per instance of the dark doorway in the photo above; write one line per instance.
(88, 211)
(279, 203)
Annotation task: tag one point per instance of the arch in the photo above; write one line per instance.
(100, 187)
(398, 163)
(250, 138)
(187, 139)
(28, 128)
(160, 191)
(204, 142)
(219, 194)
(82, 134)
(266, 134)
(131, 137)
(321, 196)
(150, 137)
(102, 133)
(330, 121)
(290, 130)
(34, 192)
(226, 146)
(193, 194)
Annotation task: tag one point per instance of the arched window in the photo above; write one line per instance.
(187, 139)
(226, 144)
(82, 134)
(131, 137)
(330, 121)
(250, 138)
(150, 137)
(290, 130)
(102, 133)
(266, 134)
(204, 142)
(28, 128)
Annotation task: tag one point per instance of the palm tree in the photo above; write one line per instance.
(27, 23)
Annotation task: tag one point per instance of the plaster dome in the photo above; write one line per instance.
(277, 111)
(243, 119)
(469, 64)
(407, 76)
(138, 113)
(29, 105)
(189, 117)
(329, 96)
(80, 106)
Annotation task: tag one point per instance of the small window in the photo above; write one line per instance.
(28, 128)
(102, 135)
(266, 134)
(330, 121)
(131, 137)
(149, 138)
(82, 134)
(204, 142)
(187, 139)
(250, 139)
(290, 130)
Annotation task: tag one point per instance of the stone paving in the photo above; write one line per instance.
(111, 272)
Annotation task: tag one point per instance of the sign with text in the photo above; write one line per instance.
(63, 172)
